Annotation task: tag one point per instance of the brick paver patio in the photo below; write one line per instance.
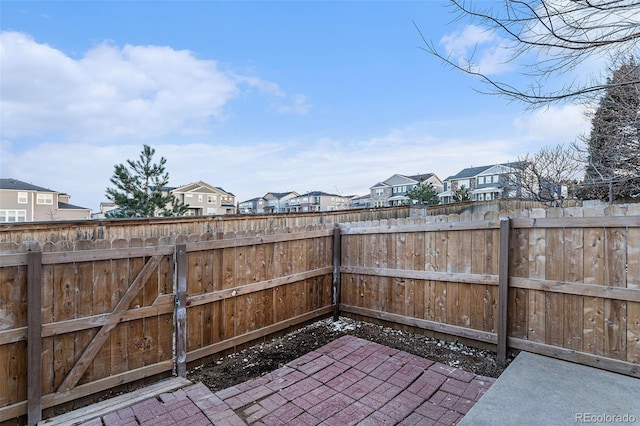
(350, 381)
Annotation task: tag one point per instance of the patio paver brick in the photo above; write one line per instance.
(331, 406)
(348, 382)
(284, 414)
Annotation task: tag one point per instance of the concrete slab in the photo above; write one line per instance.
(535, 389)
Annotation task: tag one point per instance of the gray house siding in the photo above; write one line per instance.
(24, 202)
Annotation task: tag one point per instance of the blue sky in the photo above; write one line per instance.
(252, 96)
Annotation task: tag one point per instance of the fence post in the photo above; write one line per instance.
(503, 290)
(34, 337)
(181, 310)
(337, 254)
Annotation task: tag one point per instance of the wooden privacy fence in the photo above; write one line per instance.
(117, 312)
(566, 287)
(559, 282)
(171, 227)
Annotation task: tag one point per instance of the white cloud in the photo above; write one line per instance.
(459, 43)
(112, 93)
(328, 164)
(479, 50)
(298, 104)
(325, 164)
(553, 125)
(115, 92)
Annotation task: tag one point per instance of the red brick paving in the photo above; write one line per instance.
(350, 381)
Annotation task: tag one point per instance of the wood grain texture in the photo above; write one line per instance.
(574, 286)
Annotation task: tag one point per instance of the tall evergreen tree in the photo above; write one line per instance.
(613, 146)
(423, 193)
(139, 187)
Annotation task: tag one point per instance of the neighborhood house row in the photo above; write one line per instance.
(25, 202)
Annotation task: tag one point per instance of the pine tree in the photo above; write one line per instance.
(461, 194)
(139, 187)
(613, 146)
(423, 193)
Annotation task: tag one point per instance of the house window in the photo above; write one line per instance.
(211, 199)
(200, 198)
(45, 199)
(22, 198)
(495, 178)
(480, 180)
(380, 191)
(13, 215)
(211, 210)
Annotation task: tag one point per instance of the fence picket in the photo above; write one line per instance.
(633, 282)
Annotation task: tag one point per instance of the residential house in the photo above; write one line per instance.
(105, 207)
(317, 201)
(271, 202)
(393, 191)
(24, 202)
(361, 202)
(252, 206)
(277, 202)
(489, 182)
(204, 199)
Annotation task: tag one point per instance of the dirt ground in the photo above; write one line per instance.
(257, 360)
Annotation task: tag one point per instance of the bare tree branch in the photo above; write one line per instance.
(548, 38)
(546, 175)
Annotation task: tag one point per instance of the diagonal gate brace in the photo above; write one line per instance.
(112, 321)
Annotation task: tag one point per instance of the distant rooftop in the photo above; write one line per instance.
(18, 185)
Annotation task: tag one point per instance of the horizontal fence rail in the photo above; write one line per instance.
(559, 282)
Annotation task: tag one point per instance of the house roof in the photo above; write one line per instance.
(362, 197)
(67, 206)
(399, 179)
(226, 192)
(318, 193)
(380, 185)
(475, 171)
(200, 185)
(279, 195)
(425, 176)
(252, 200)
(470, 172)
(18, 185)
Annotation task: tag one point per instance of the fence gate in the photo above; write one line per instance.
(107, 316)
